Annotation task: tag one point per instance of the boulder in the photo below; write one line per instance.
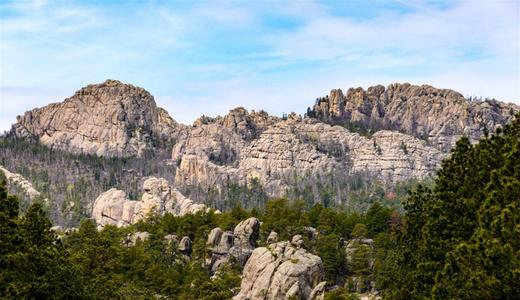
(114, 208)
(244, 239)
(281, 271)
(272, 238)
(132, 239)
(185, 245)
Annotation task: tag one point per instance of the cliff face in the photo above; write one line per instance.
(440, 116)
(107, 119)
(297, 150)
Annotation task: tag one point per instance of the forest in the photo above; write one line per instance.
(456, 239)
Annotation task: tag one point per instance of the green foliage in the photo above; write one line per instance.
(33, 263)
(360, 231)
(461, 239)
(340, 294)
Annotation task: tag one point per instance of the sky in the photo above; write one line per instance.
(207, 57)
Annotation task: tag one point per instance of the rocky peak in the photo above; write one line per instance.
(108, 119)
(440, 116)
(249, 125)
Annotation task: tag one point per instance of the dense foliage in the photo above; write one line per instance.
(461, 239)
(92, 264)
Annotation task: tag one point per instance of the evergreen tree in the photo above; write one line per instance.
(461, 239)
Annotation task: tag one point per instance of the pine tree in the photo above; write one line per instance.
(461, 239)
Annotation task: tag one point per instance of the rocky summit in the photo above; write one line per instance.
(440, 116)
(107, 119)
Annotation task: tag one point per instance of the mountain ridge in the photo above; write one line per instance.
(390, 135)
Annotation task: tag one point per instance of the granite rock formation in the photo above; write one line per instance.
(299, 149)
(18, 181)
(441, 116)
(238, 244)
(113, 206)
(107, 119)
(390, 134)
(282, 271)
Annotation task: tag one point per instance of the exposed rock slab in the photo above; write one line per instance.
(281, 271)
(107, 119)
(21, 182)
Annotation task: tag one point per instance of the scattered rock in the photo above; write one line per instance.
(297, 241)
(133, 238)
(185, 246)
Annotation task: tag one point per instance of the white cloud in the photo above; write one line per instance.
(168, 48)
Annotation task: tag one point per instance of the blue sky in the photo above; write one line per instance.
(206, 57)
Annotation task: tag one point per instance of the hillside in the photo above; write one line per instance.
(464, 229)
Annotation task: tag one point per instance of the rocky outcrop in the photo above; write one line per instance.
(244, 239)
(440, 116)
(107, 119)
(305, 150)
(282, 271)
(386, 135)
(113, 206)
(238, 244)
(19, 182)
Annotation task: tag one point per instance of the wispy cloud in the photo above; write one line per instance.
(207, 57)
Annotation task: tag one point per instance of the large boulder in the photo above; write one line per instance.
(244, 239)
(114, 208)
(226, 244)
(281, 271)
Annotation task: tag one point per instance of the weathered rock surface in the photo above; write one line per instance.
(244, 239)
(113, 206)
(281, 271)
(441, 116)
(20, 182)
(238, 244)
(107, 119)
(302, 150)
(410, 130)
(133, 238)
(185, 245)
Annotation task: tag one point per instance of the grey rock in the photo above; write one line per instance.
(280, 271)
(107, 119)
(297, 241)
(272, 238)
(244, 239)
(185, 245)
(113, 206)
(440, 115)
(132, 239)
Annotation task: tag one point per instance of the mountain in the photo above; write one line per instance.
(440, 116)
(107, 119)
(349, 150)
